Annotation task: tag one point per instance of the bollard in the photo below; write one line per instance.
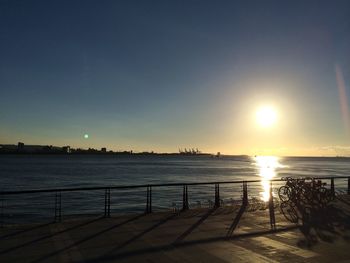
(58, 206)
(348, 185)
(185, 198)
(217, 195)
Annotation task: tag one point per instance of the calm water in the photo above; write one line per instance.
(20, 172)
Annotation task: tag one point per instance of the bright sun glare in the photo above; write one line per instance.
(267, 170)
(266, 116)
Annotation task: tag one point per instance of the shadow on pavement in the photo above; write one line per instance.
(31, 242)
(236, 221)
(194, 226)
(87, 238)
(154, 249)
(22, 231)
(327, 225)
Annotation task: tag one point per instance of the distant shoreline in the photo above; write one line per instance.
(135, 154)
(22, 148)
(105, 154)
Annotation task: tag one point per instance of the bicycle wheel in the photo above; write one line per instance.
(326, 196)
(284, 193)
(289, 212)
(306, 214)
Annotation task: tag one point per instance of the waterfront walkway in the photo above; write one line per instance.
(225, 234)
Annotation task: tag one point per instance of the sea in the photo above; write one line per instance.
(32, 172)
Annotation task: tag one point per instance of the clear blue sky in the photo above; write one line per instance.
(159, 75)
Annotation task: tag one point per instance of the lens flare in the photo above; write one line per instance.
(344, 107)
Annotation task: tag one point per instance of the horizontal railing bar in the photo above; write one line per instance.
(147, 185)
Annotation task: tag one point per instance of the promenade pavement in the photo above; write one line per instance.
(225, 234)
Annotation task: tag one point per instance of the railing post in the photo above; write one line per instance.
(332, 187)
(217, 195)
(348, 185)
(185, 198)
(245, 193)
(58, 206)
(272, 210)
(2, 223)
(149, 200)
(107, 202)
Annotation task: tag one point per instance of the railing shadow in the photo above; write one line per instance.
(168, 247)
(134, 238)
(236, 220)
(195, 225)
(88, 238)
(27, 229)
(47, 236)
(106, 255)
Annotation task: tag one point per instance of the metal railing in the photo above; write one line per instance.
(150, 188)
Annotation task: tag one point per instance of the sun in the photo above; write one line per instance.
(266, 116)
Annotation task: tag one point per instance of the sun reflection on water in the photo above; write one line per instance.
(267, 166)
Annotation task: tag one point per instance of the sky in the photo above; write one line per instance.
(164, 75)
